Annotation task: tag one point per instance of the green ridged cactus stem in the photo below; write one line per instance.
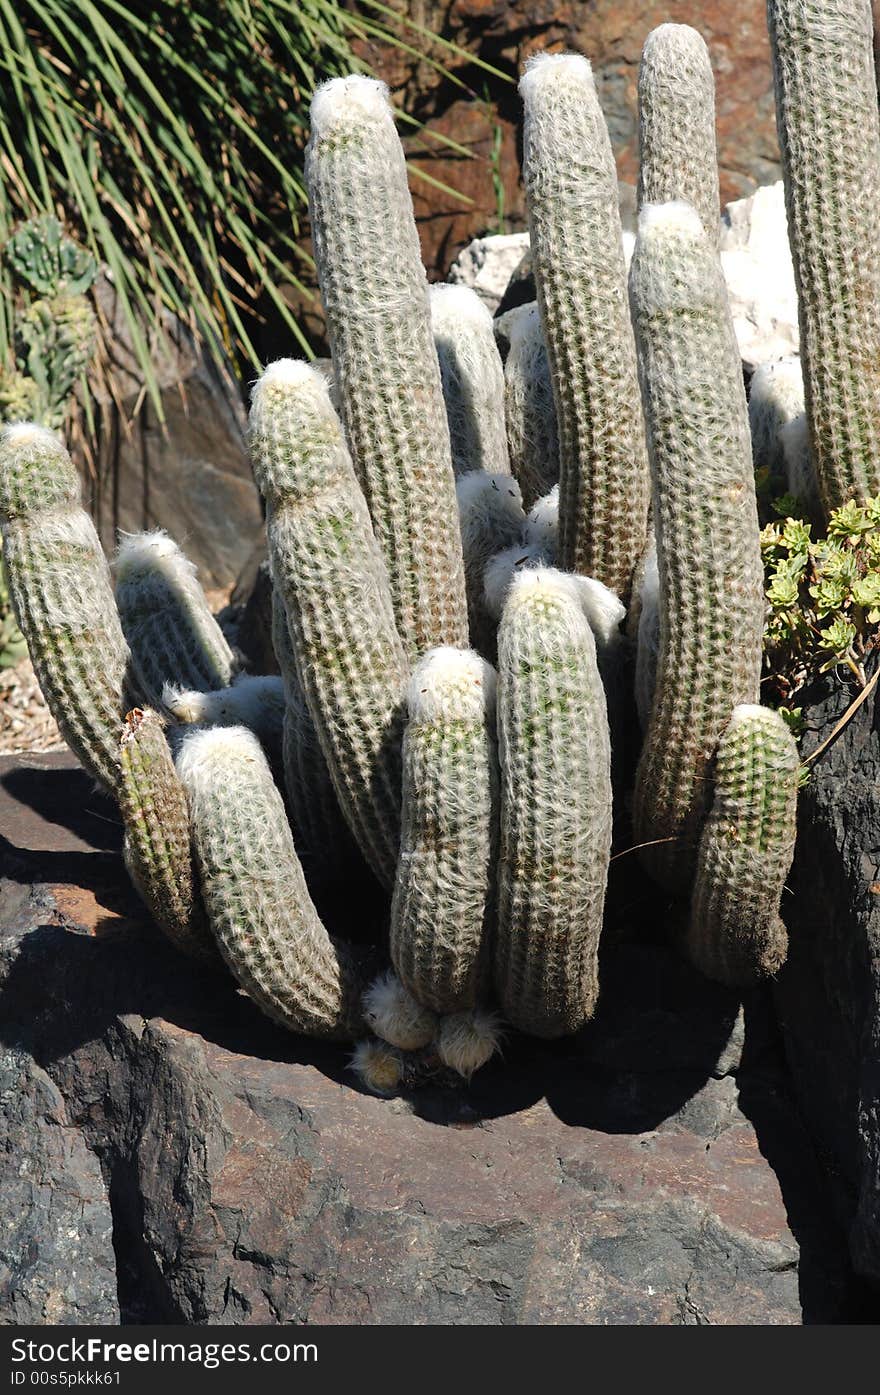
(473, 380)
(61, 591)
(385, 365)
(829, 134)
(677, 155)
(577, 248)
(711, 576)
(330, 575)
(491, 518)
(166, 618)
(556, 807)
(532, 433)
(746, 851)
(445, 874)
(254, 891)
(157, 836)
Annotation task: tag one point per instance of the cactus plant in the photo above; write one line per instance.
(677, 156)
(472, 375)
(829, 134)
(332, 580)
(445, 872)
(173, 637)
(577, 248)
(61, 592)
(553, 862)
(746, 850)
(532, 432)
(491, 519)
(385, 365)
(711, 601)
(254, 891)
(157, 843)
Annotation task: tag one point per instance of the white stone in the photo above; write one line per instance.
(487, 264)
(758, 269)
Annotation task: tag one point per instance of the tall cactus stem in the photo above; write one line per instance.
(577, 248)
(385, 365)
(331, 578)
(473, 380)
(677, 155)
(829, 135)
(166, 618)
(553, 864)
(711, 576)
(61, 591)
(254, 891)
(445, 874)
(746, 850)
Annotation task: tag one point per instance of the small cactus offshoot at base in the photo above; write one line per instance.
(736, 934)
(61, 591)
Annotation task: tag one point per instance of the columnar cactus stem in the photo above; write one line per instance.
(331, 577)
(746, 851)
(555, 843)
(157, 836)
(648, 636)
(677, 155)
(829, 133)
(376, 300)
(61, 591)
(711, 577)
(577, 247)
(167, 621)
(491, 518)
(532, 434)
(443, 891)
(780, 437)
(254, 891)
(473, 380)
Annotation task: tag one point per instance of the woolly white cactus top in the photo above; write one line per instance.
(203, 748)
(451, 305)
(543, 68)
(347, 101)
(779, 382)
(676, 219)
(23, 433)
(291, 373)
(482, 498)
(451, 685)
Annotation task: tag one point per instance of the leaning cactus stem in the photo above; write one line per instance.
(829, 134)
(254, 891)
(157, 836)
(62, 595)
(746, 851)
(555, 844)
(473, 380)
(172, 634)
(577, 247)
(331, 578)
(445, 872)
(375, 296)
(711, 577)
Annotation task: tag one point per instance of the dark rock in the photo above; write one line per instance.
(191, 476)
(829, 992)
(653, 1170)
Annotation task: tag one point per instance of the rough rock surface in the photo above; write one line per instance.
(829, 993)
(193, 476)
(610, 33)
(653, 1171)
